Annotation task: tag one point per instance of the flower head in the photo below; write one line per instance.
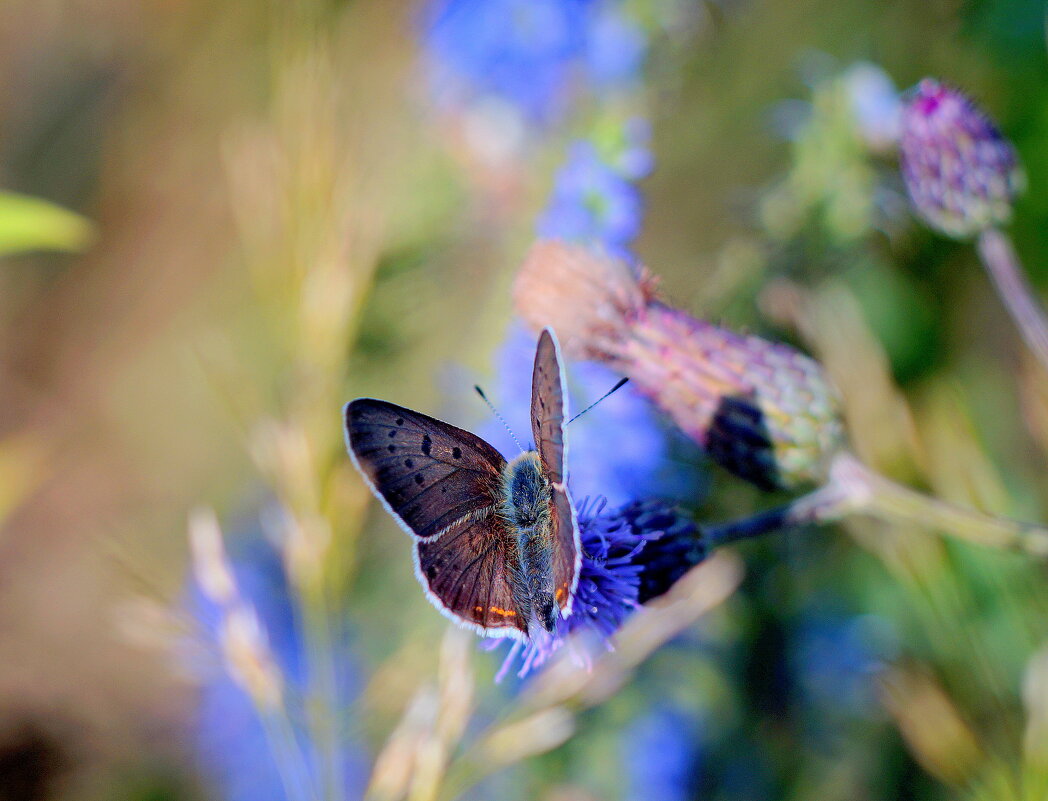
(629, 556)
(760, 409)
(962, 175)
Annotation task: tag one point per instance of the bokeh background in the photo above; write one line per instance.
(256, 211)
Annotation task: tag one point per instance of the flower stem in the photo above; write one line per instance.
(855, 488)
(826, 504)
(999, 257)
(885, 499)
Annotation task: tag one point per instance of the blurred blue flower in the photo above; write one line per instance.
(616, 47)
(834, 657)
(530, 54)
(231, 741)
(662, 755)
(593, 202)
(629, 555)
(620, 449)
(875, 103)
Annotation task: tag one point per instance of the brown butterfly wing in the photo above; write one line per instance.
(547, 406)
(548, 413)
(467, 575)
(429, 475)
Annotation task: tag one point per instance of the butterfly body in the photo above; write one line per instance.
(527, 508)
(496, 543)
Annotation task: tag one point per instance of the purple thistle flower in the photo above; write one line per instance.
(962, 175)
(629, 556)
(760, 409)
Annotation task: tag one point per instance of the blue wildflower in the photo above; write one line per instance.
(662, 755)
(234, 747)
(619, 449)
(629, 556)
(529, 54)
(592, 203)
(616, 47)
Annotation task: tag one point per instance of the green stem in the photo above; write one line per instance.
(824, 505)
(854, 488)
(885, 499)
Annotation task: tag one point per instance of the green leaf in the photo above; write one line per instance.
(28, 223)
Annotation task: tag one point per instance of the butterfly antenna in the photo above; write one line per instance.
(610, 392)
(501, 419)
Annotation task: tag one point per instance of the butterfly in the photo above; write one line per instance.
(496, 543)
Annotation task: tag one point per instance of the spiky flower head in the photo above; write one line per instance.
(629, 556)
(763, 410)
(962, 175)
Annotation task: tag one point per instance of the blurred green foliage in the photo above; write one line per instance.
(28, 224)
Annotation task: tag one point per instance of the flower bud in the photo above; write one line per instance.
(962, 175)
(762, 410)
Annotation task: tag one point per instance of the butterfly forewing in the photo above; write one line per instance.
(548, 412)
(548, 407)
(467, 575)
(431, 476)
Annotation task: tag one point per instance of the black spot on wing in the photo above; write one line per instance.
(427, 444)
(456, 453)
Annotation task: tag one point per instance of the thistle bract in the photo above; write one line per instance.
(962, 175)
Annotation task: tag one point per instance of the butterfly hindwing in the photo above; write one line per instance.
(431, 476)
(567, 551)
(548, 413)
(467, 575)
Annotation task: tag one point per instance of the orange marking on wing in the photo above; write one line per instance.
(503, 612)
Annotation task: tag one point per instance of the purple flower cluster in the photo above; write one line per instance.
(962, 175)
(531, 55)
(629, 556)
